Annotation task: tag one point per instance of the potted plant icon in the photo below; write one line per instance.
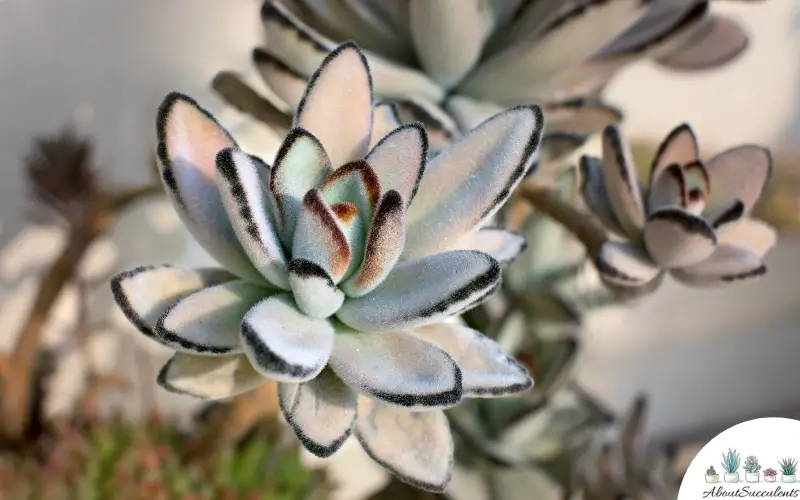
(770, 475)
(711, 475)
(730, 464)
(788, 469)
(751, 468)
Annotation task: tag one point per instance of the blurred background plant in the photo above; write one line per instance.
(91, 457)
(557, 440)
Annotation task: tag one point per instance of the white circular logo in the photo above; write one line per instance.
(758, 458)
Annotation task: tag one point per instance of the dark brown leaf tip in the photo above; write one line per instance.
(345, 211)
(525, 165)
(121, 298)
(734, 213)
(386, 236)
(293, 136)
(306, 269)
(690, 223)
(676, 173)
(586, 167)
(269, 359)
(607, 269)
(681, 129)
(339, 253)
(487, 280)
(447, 397)
(759, 271)
(392, 202)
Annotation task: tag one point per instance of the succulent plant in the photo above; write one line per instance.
(788, 466)
(751, 464)
(340, 265)
(691, 219)
(711, 471)
(452, 64)
(620, 463)
(731, 461)
(770, 472)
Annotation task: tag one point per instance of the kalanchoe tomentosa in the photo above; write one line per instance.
(341, 262)
(453, 63)
(691, 219)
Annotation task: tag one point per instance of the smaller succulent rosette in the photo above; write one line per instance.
(339, 265)
(691, 219)
(619, 462)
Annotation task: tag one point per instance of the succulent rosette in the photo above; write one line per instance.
(691, 219)
(339, 265)
(453, 63)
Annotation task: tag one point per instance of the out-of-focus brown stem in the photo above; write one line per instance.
(583, 225)
(233, 90)
(123, 199)
(16, 371)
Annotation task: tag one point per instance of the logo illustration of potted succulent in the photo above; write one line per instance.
(711, 475)
(788, 468)
(770, 475)
(730, 464)
(751, 469)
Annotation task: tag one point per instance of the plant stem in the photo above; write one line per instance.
(233, 90)
(16, 370)
(123, 199)
(583, 225)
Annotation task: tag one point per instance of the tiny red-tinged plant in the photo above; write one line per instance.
(770, 472)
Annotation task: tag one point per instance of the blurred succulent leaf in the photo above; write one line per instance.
(602, 413)
(617, 463)
(551, 363)
(494, 415)
(551, 247)
(542, 306)
(475, 444)
(627, 295)
(523, 484)
(476, 483)
(552, 429)
(547, 349)
(582, 286)
(468, 483)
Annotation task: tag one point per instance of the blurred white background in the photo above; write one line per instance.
(105, 66)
